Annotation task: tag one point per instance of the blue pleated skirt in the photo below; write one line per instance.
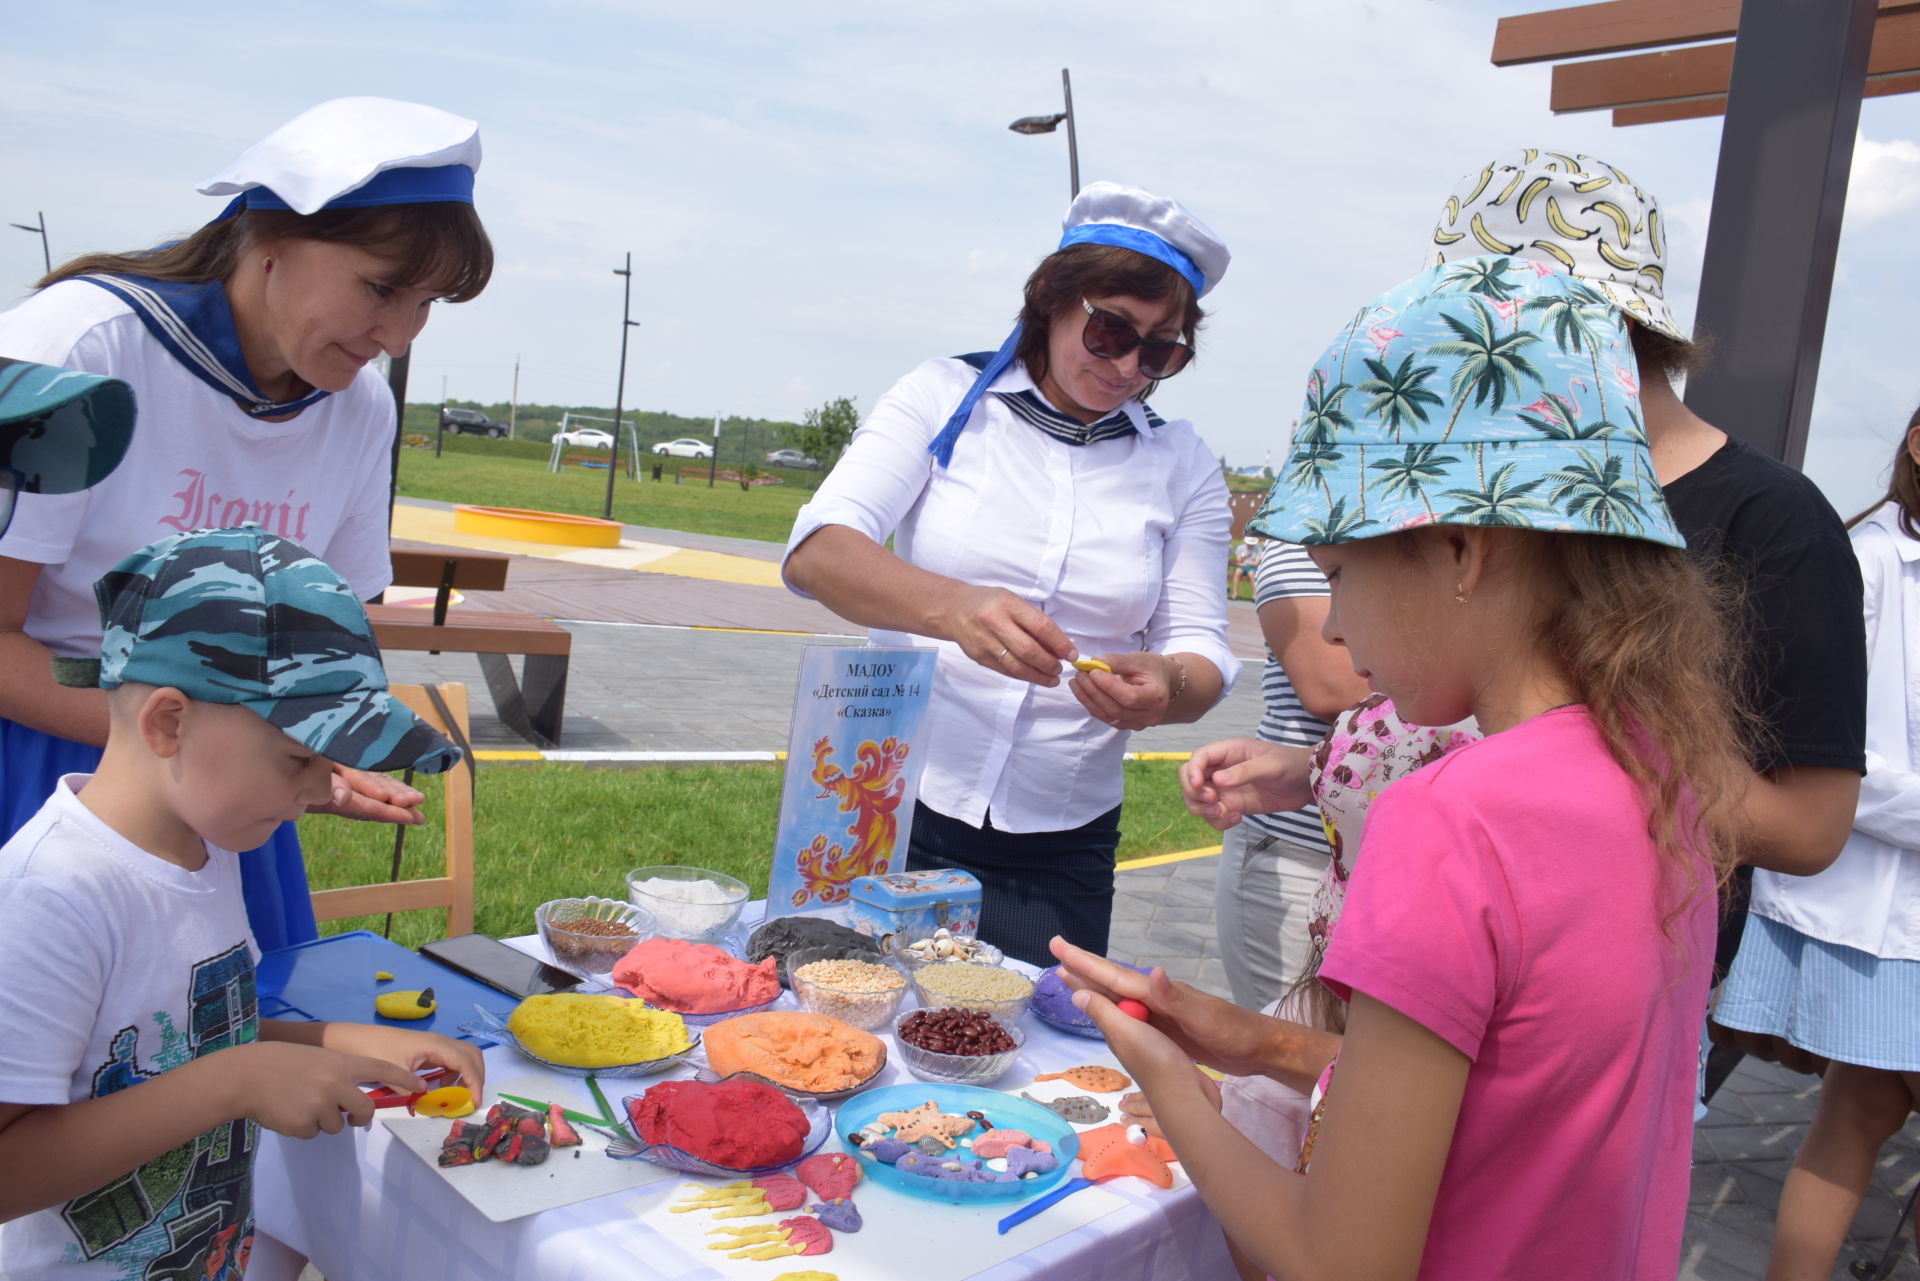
(1838, 1002)
(273, 878)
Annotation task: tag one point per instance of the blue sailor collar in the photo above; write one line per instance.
(1015, 388)
(195, 324)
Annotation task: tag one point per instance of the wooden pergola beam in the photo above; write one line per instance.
(1702, 71)
(1620, 26)
(1701, 108)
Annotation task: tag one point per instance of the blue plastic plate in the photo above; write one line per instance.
(1005, 1111)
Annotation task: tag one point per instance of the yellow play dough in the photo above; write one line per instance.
(402, 1005)
(579, 1030)
(1092, 665)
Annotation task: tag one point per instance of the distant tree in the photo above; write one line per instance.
(825, 431)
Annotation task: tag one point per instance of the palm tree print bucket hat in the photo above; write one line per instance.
(1485, 391)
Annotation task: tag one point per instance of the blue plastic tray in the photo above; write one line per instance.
(331, 980)
(1005, 1111)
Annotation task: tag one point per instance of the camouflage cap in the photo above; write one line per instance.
(62, 430)
(247, 617)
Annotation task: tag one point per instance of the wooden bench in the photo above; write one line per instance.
(535, 711)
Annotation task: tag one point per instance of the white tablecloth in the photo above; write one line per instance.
(364, 1208)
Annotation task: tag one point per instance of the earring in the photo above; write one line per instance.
(1460, 594)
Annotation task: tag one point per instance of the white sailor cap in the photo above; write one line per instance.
(355, 152)
(1110, 213)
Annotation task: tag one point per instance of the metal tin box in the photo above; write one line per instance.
(912, 905)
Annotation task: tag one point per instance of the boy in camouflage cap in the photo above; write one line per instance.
(136, 1070)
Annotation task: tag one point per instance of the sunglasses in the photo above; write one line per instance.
(1110, 337)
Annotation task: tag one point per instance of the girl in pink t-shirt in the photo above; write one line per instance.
(1527, 940)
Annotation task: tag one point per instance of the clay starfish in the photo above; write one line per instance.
(927, 1119)
(1099, 1079)
(1110, 1151)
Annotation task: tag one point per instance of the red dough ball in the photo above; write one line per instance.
(1131, 1008)
(740, 1125)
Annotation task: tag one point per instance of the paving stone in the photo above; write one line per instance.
(1183, 914)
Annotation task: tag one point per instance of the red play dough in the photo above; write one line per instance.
(1131, 1008)
(782, 1191)
(808, 1235)
(830, 1174)
(741, 1125)
(694, 978)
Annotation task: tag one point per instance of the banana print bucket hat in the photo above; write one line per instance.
(1487, 391)
(1576, 213)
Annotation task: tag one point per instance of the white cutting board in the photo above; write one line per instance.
(503, 1192)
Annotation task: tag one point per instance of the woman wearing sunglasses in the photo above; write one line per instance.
(1041, 513)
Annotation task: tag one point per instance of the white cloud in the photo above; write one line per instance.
(1885, 180)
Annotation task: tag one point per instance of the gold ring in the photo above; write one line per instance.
(1005, 654)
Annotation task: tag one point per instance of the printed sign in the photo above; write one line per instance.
(852, 772)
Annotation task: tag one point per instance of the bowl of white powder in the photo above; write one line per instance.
(687, 902)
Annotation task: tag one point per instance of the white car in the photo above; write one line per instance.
(685, 447)
(586, 437)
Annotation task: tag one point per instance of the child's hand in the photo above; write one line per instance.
(1135, 1109)
(300, 1090)
(414, 1050)
(1204, 1028)
(1224, 781)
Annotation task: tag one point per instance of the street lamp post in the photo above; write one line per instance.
(1047, 124)
(619, 395)
(46, 254)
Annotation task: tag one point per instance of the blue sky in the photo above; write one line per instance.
(817, 197)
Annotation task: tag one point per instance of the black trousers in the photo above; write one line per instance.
(1033, 885)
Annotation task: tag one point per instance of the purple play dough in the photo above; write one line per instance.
(1028, 1161)
(840, 1214)
(1052, 999)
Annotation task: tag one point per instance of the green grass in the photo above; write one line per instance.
(555, 831)
(512, 473)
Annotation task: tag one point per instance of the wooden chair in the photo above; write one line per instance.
(454, 889)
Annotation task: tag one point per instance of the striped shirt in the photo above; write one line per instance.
(1286, 571)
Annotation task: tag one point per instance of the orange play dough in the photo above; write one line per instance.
(811, 1052)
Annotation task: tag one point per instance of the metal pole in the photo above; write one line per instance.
(1073, 142)
(46, 254)
(397, 383)
(713, 459)
(1793, 105)
(620, 392)
(513, 408)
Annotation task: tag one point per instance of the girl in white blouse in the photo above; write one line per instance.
(1831, 963)
(1039, 512)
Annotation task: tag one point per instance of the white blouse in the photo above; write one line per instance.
(1123, 543)
(1870, 898)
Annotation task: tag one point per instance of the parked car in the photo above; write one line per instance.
(472, 422)
(586, 438)
(685, 447)
(792, 458)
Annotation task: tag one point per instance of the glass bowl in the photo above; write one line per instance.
(980, 954)
(590, 935)
(862, 999)
(956, 1069)
(974, 985)
(680, 909)
(957, 1100)
(630, 1148)
(491, 1027)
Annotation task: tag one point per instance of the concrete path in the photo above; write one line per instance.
(667, 660)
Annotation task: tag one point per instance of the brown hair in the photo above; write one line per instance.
(439, 245)
(1674, 357)
(1642, 636)
(1903, 486)
(1066, 276)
